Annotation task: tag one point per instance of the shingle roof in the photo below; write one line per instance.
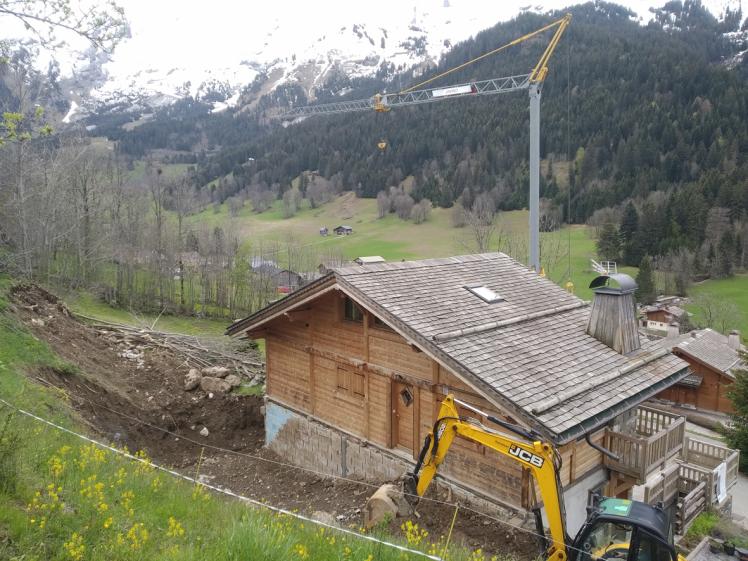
(520, 351)
(711, 348)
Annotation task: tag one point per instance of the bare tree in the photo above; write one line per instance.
(103, 25)
(481, 221)
(421, 211)
(235, 205)
(550, 216)
(291, 202)
(318, 191)
(403, 205)
(383, 204)
(717, 313)
(458, 215)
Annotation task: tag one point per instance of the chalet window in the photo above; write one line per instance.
(351, 382)
(351, 311)
(407, 397)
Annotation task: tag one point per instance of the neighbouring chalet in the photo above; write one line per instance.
(343, 230)
(713, 359)
(663, 317)
(359, 360)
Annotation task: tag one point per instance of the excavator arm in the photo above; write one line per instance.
(529, 451)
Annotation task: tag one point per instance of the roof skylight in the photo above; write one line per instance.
(484, 293)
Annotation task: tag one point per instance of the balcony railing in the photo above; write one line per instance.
(651, 439)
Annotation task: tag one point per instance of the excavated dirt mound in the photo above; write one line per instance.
(130, 393)
(120, 385)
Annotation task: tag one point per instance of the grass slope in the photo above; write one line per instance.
(395, 239)
(85, 303)
(733, 289)
(63, 499)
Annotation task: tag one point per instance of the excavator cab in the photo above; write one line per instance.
(625, 530)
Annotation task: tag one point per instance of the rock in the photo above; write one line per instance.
(204, 431)
(192, 379)
(37, 322)
(234, 380)
(214, 385)
(324, 517)
(215, 371)
(387, 500)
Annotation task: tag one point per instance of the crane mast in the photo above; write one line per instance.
(532, 82)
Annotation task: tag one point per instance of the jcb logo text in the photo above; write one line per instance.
(526, 456)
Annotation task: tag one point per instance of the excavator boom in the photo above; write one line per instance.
(614, 529)
(534, 454)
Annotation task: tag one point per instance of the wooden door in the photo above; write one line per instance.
(403, 416)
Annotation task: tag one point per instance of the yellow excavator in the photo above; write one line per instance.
(614, 528)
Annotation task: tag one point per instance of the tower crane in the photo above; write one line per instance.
(417, 94)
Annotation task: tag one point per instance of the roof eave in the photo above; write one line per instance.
(271, 311)
(598, 421)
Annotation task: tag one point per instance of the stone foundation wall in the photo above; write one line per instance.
(311, 444)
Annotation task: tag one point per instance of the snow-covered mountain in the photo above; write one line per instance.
(227, 55)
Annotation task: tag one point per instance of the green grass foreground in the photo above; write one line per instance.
(62, 498)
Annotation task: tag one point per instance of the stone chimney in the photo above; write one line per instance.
(673, 329)
(733, 339)
(613, 315)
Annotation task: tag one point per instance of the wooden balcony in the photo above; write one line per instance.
(646, 440)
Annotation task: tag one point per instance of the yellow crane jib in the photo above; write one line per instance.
(614, 528)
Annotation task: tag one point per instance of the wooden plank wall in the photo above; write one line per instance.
(711, 394)
(304, 359)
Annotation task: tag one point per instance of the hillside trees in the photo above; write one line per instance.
(634, 132)
(737, 433)
(646, 291)
(609, 243)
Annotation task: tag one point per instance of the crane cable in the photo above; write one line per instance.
(512, 43)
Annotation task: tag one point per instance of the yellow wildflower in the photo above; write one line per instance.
(108, 523)
(75, 548)
(138, 535)
(175, 529)
(301, 550)
(413, 533)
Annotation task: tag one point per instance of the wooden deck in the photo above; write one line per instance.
(656, 436)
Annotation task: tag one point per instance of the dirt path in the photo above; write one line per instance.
(133, 394)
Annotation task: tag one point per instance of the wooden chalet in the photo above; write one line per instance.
(359, 360)
(343, 230)
(713, 359)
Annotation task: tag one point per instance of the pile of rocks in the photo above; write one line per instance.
(211, 379)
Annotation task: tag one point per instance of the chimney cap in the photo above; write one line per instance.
(618, 283)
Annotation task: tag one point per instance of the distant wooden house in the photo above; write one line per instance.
(713, 359)
(323, 231)
(287, 281)
(343, 230)
(284, 281)
(369, 259)
(359, 360)
(659, 316)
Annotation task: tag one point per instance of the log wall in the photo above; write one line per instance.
(369, 382)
